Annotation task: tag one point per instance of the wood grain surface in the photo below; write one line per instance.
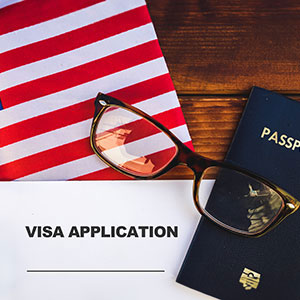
(216, 51)
(221, 47)
(211, 121)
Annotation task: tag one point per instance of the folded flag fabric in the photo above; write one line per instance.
(55, 56)
(4, 3)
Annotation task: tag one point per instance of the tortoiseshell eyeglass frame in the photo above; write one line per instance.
(196, 162)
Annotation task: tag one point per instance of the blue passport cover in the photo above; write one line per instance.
(228, 266)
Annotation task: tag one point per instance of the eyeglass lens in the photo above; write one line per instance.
(132, 143)
(238, 201)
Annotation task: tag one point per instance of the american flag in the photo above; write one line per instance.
(55, 56)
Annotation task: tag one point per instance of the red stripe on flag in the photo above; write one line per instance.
(78, 75)
(105, 174)
(31, 12)
(47, 122)
(82, 111)
(46, 159)
(74, 39)
(68, 152)
(145, 90)
(109, 173)
(189, 144)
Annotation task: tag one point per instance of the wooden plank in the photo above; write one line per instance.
(221, 47)
(212, 122)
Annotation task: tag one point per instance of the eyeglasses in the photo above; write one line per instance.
(135, 144)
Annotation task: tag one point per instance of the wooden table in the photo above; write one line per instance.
(216, 51)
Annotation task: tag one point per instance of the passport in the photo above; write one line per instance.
(231, 267)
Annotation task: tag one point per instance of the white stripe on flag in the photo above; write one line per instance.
(76, 131)
(66, 23)
(83, 92)
(5, 3)
(92, 163)
(80, 56)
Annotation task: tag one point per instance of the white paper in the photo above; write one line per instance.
(101, 203)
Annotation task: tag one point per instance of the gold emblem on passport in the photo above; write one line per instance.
(249, 279)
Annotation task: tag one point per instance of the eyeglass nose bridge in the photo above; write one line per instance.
(196, 162)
